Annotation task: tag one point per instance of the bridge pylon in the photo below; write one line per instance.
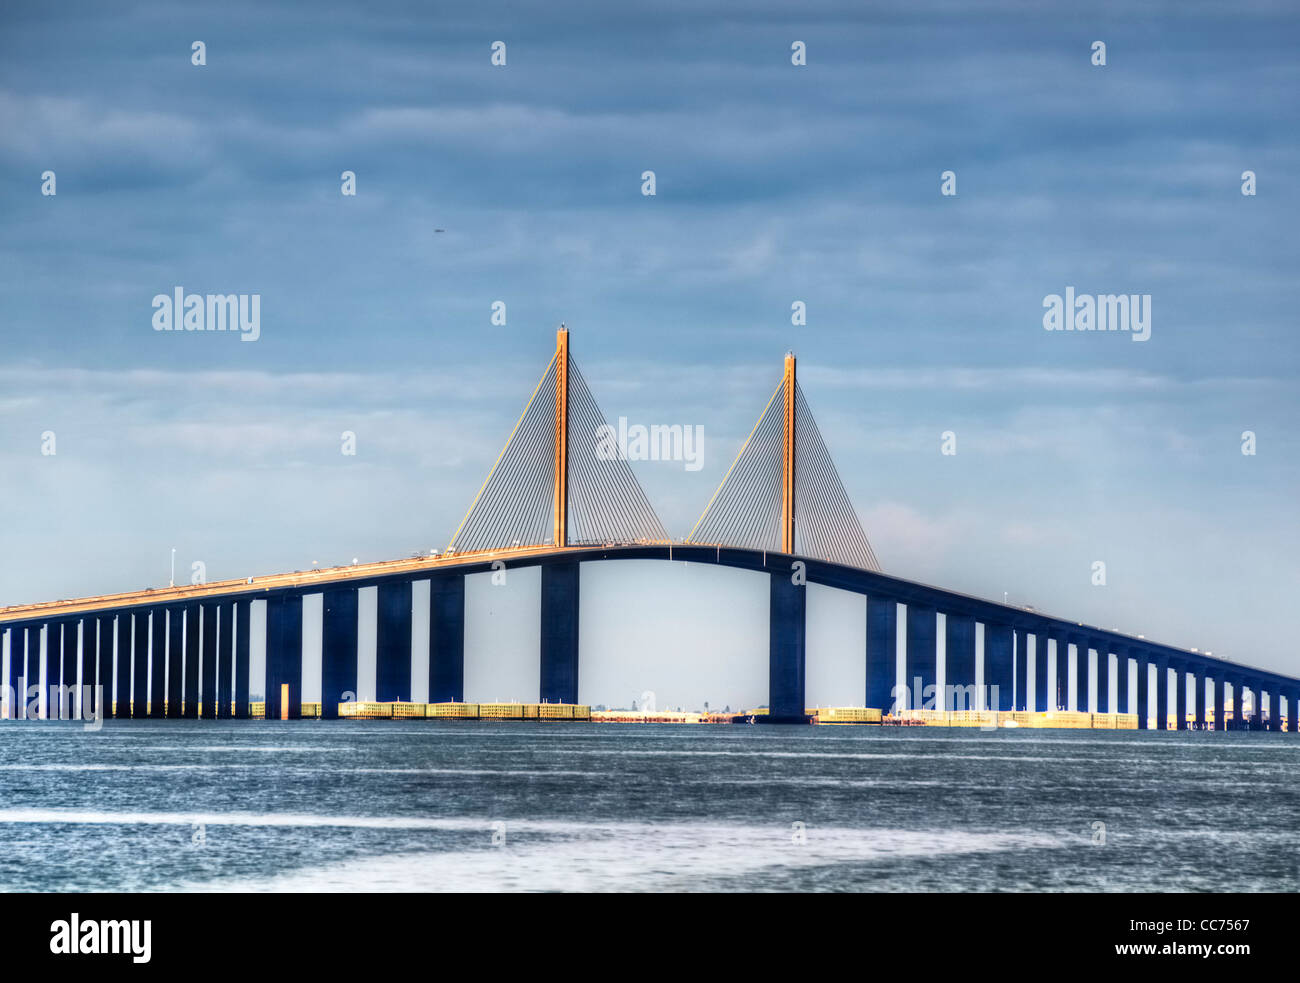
(555, 483)
(782, 493)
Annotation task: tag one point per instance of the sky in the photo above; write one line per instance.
(775, 183)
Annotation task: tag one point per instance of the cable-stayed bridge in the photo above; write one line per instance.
(558, 497)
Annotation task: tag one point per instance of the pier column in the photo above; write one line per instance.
(1262, 709)
(284, 654)
(104, 666)
(559, 636)
(225, 658)
(1103, 676)
(1082, 664)
(1180, 695)
(998, 668)
(158, 662)
(208, 663)
(338, 649)
(922, 654)
(243, 640)
(1219, 723)
(393, 642)
(1061, 692)
(175, 659)
(190, 685)
(122, 651)
(1198, 698)
(785, 648)
(1021, 700)
(1042, 684)
(960, 677)
(1143, 708)
(16, 679)
(882, 649)
(447, 638)
(1162, 693)
(84, 668)
(55, 655)
(139, 663)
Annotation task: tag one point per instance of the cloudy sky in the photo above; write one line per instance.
(775, 184)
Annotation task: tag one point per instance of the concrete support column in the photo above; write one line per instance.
(284, 655)
(1021, 699)
(960, 677)
(785, 650)
(1219, 723)
(1162, 693)
(1061, 692)
(1042, 686)
(225, 658)
(1198, 698)
(67, 678)
(1081, 673)
(190, 684)
(922, 654)
(17, 678)
(84, 670)
(1143, 708)
(1262, 709)
(338, 649)
(136, 663)
(175, 660)
(447, 638)
(393, 642)
(208, 663)
(882, 646)
(998, 668)
(1103, 676)
(1180, 695)
(122, 661)
(559, 637)
(243, 641)
(158, 662)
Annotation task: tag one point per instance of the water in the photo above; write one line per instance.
(432, 805)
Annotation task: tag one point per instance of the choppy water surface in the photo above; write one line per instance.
(425, 805)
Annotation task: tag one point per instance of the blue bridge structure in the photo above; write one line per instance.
(556, 499)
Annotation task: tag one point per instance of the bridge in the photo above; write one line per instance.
(561, 494)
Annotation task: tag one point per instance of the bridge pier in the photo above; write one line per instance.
(922, 653)
(1180, 695)
(1262, 712)
(1042, 685)
(338, 651)
(882, 648)
(17, 673)
(1162, 693)
(139, 662)
(158, 660)
(243, 638)
(225, 658)
(1082, 666)
(559, 635)
(175, 659)
(447, 638)
(1021, 699)
(1198, 698)
(998, 668)
(785, 648)
(1143, 708)
(208, 662)
(1103, 676)
(284, 655)
(1219, 723)
(190, 678)
(393, 642)
(1061, 692)
(959, 650)
(122, 688)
